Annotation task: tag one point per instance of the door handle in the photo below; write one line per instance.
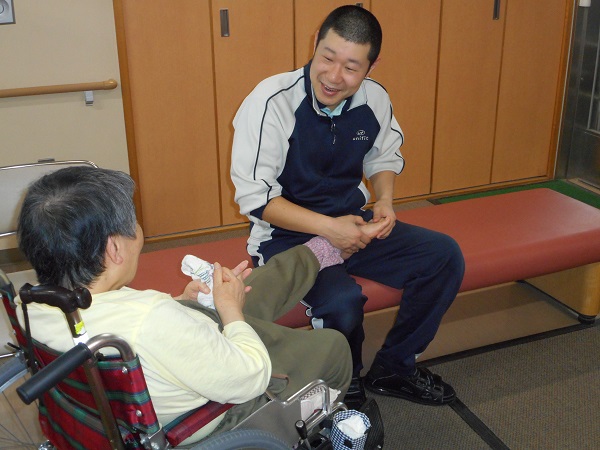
(224, 16)
(496, 15)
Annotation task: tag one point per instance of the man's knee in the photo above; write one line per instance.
(344, 312)
(450, 253)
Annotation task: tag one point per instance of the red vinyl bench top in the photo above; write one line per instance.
(506, 237)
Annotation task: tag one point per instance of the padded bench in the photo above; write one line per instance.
(540, 235)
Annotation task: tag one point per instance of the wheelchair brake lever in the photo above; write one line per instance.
(303, 433)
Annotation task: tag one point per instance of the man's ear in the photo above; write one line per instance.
(315, 41)
(113, 250)
(373, 66)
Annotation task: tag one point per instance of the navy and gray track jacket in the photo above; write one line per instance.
(285, 145)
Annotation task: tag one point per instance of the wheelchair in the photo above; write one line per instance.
(86, 397)
(89, 400)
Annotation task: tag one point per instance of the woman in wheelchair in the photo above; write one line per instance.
(78, 228)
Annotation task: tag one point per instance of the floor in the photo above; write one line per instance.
(476, 319)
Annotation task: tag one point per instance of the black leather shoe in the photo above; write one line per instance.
(423, 387)
(356, 396)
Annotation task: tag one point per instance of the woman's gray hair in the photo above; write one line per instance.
(67, 218)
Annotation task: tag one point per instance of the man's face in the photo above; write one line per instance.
(338, 69)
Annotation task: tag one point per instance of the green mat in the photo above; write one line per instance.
(562, 186)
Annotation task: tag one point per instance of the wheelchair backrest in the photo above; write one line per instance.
(8, 293)
(68, 414)
(14, 181)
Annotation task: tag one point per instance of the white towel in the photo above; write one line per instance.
(201, 270)
(314, 401)
(353, 427)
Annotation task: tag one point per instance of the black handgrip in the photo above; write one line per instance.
(53, 373)
(301, 429)
(68, 301)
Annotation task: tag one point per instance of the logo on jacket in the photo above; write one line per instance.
(361, 135)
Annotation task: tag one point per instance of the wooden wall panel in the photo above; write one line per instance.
(260, 44)
(172, 98)
(408, 70)
(529, 88)
(469, 70)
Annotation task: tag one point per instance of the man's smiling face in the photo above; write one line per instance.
(338, 68)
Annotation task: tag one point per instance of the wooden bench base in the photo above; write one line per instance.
(479, 318)
(577, 288)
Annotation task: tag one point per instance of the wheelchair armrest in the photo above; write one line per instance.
(53, 373)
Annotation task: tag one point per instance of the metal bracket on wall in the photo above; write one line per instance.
(89, 98)
(7, 12)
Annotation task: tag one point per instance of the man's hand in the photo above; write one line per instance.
(372, 230)
(384, 210)
(345, 233)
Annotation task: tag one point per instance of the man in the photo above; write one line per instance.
(302, 142)
(78, 228)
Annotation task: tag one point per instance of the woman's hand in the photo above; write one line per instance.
(192, 290)
(194, 287)
(229, 293)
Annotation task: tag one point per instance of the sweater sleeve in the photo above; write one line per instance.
(189, 350)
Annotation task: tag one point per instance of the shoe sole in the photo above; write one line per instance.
(408, 397)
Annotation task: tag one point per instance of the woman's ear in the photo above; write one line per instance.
(113, 250)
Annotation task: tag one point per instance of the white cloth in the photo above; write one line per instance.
(315, 401)
(199, 269)
(353, 427)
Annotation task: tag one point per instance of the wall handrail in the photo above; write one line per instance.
(59, 88)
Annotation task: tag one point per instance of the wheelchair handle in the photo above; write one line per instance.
(53, 373)
(68, 301)
(6, 287)
(66, 363)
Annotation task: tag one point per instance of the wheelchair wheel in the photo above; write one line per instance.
(240, 439)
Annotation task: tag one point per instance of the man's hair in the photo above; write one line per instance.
(354, 24)
(66, 220)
